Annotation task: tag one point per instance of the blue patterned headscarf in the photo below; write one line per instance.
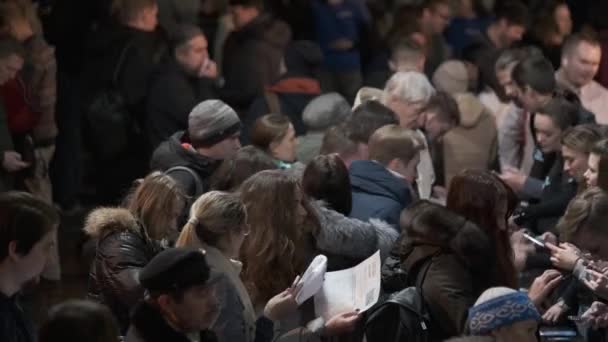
(500, 312)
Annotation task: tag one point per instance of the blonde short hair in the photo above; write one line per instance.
(392, 141)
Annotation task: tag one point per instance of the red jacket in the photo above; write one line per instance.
(20, 118)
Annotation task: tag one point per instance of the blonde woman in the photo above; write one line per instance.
(218, 224)
(128, 238)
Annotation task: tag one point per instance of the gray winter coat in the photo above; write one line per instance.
(347, 241)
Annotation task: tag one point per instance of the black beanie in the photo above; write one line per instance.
(174, 269)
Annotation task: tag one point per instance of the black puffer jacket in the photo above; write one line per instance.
(123, 248)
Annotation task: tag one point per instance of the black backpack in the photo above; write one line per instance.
(402, 316)
(109, 124)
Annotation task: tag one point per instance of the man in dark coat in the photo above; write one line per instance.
(123, 56)
(182, 300)
(212, 135)
(382, 185)
(184, 81)
(252, 53)
(293, 91)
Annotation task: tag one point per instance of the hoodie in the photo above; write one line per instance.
(378, 193)
(473, 144)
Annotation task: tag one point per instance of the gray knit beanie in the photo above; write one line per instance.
(212, 121)
(325, 111)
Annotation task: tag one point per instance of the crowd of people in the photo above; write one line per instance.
(216, 147)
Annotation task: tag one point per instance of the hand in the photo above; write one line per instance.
(12, 162)
(342, 44)
(440, 192)
(208, 69)
(284, 303)
(342, 324)
(549, 237)
(596, 282)
(565, 256)
(281, 305)
(544, 285)
(522, 247)
(554, 313)
(596, 316)
(514, 178)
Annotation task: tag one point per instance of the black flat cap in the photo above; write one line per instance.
(175, 268)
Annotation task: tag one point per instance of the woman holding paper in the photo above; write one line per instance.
(218, 224)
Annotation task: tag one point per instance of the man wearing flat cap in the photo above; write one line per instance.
(180, 304)
(191, 156)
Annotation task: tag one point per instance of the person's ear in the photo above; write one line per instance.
(12, 251)
(391, 66)
(564, 61)
(166, 303)
(273, 146)
(394, 164)
(421, 63)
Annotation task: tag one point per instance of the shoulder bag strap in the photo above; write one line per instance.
(197, 180)
(119, 65)
(272, 100)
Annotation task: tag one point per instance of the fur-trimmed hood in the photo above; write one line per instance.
(102, 221)
(352, 238)
(450, 233)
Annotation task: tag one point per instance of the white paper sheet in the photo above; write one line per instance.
(346, 290)
(312, 280)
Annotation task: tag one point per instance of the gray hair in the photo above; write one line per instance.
(325, 111)
(409, 86)
(513, 56)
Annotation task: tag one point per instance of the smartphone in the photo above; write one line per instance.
(535, 241)
(28, 155)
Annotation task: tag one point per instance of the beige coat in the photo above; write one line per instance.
(474, 143)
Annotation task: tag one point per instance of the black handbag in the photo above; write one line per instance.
(110, 125)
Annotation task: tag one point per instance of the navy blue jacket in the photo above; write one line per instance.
(344, 21)
(377, 193)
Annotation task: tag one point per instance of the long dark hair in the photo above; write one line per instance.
(273, 253)
(477, 196)
(326, 178)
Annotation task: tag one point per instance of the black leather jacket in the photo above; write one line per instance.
(123, 248)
